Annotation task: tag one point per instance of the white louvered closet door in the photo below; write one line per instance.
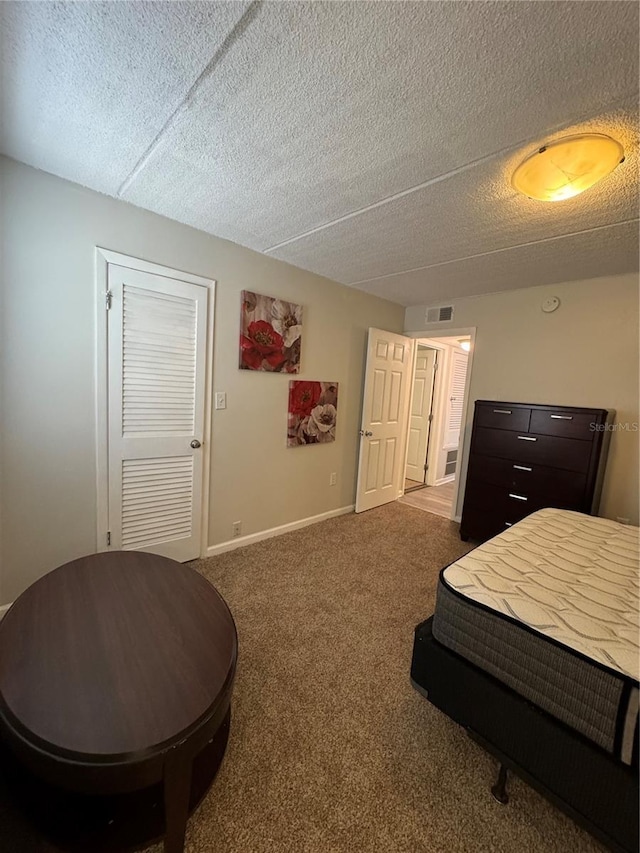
(460, 361)
(157, 346)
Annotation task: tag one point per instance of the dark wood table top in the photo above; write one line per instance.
(114, 655)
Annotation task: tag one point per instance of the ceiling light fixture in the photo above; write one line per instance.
(567, 167)
(465, 345)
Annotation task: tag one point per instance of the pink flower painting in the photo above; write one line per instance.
(270, 334)
(313, 408)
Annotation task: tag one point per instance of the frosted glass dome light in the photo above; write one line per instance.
(567, 167)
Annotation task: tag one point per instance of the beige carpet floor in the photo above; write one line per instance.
(331, 750)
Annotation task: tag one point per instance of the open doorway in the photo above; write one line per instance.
(435, 423)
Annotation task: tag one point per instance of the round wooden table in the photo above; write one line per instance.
(116, 673)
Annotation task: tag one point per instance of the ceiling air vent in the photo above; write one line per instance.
(443, 314)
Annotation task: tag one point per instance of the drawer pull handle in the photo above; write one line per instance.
(508, 523)
(522, 468)
(518, 497)
(502, 411)
(526, 438)
(562, 417)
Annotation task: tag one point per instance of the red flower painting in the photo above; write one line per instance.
(261, 343)
(313, 409)
(270, 334)
(303, 396)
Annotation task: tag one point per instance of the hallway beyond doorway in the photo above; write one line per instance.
(435, 499)
(412, 485)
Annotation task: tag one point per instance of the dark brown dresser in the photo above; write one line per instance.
(526, 457)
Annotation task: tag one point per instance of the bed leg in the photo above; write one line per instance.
(499, 790)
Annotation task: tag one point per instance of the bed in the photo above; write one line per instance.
(533, 647)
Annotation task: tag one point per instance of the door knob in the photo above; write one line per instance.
(366, 432)
(195, 444)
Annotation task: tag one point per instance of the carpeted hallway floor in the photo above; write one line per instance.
(331, 750)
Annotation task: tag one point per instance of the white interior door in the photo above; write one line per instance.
(385, 417)
(156, 342)
(420, 414)
(453, 423)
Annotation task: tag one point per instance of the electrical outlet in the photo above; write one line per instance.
(333, 479)
(237, 528)
(221, 399)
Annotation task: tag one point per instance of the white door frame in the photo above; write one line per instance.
(470, 331)
(104, 257)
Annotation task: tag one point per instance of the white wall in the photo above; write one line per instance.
(48, 505)
(584, 354)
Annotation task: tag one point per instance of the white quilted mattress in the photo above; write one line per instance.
(571, 577)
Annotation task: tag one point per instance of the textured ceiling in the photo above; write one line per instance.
(370, 142)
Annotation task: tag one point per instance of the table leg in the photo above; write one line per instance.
(177, 789)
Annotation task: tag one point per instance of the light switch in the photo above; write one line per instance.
(221, 399)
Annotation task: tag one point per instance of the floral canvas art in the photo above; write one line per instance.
(313, 407)
(270, 334)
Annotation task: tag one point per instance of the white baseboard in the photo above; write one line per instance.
(448, 479)
(241, 541)
(457, 518)
(4, 608)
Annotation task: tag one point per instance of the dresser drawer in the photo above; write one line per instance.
(481, 524)
(504, 502)
(503, 417)
(512, 505)
(548, 450)
(564, 424)
(529, 479)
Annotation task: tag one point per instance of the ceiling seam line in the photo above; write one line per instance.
(409, 191)
(495, 251)
(236, 32)
(439, 178)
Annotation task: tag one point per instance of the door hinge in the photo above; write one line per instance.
(430, 418)
(108, 299)
(108, 538)
(426, 467)
(435, 365)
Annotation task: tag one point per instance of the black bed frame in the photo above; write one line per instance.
(583, 780)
